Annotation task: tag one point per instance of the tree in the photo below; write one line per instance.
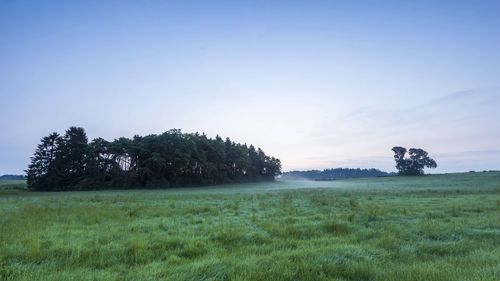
(73, 157)
(166, 160)
(99, 164)
(414, 164)
(332, 174)
(42, 172)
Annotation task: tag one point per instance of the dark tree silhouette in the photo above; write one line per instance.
(72, 158)
(414, 164)
(333, 174)
(170, 159)
(12, 177)
(42, 173)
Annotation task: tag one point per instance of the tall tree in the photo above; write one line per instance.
(414, 164)
(399, 157)
(99, 163)
(42, 173)
(73, 156)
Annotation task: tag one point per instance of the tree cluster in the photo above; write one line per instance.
(12, 177)
(171, 159)
(332, 174)
(414, 164)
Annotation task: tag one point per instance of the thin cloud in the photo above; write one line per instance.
(476, 99)
(473, 153)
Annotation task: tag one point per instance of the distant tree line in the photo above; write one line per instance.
(12, 177)
(332, 174)
(413, 161)
(171, 159)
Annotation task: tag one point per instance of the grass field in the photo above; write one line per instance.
(442, 227)
(12, 184)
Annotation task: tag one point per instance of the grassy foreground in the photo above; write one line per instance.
(443, 227)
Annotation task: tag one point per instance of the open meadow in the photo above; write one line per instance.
(12, 184)
(439, 227)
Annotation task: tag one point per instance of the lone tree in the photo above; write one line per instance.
(414, 164)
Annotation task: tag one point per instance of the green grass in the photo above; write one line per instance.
(443, 227)
(12, 184)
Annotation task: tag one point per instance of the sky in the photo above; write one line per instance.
(318, 84)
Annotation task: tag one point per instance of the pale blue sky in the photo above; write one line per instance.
(316, 83)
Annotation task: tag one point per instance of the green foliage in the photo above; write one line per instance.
(416, 162)
(168, 160)
(337, 230)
